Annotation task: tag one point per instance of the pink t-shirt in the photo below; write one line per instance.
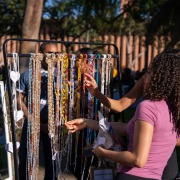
(163, 142)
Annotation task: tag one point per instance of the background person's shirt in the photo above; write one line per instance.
(24, 84)
(163, 142)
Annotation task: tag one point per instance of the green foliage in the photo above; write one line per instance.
(88, 19)
(12, 13)
(158, 17)
(75, 18)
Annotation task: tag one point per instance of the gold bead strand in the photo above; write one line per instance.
(80, 60)
(64, 89)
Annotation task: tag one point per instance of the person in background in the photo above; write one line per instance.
(152, 122)
(127, 80)
(46, 47)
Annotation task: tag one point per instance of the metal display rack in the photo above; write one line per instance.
(66, 44)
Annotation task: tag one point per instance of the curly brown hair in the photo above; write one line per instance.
(164, 83)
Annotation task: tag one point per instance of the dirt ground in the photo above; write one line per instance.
(65, 176)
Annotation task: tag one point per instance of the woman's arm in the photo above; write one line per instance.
(115, 105)
(178, 142)
(143, 133)
(82, 123)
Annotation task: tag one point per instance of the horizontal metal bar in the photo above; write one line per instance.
(89, 55)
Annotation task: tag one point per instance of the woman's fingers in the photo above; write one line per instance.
(72, 122)
(88, 75)
(69, 126)
(88, 83)
(68, 82)
(71, 131)
(75, 125)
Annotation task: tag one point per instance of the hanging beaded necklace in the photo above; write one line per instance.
(34, 115)
(51, 125)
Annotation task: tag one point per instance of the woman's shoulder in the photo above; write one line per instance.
(147, 103)
(154, 106)
(152, 102)
(147, 111)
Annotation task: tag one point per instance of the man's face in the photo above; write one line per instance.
(50, 48)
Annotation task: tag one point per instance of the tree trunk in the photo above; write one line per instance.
(30, 29)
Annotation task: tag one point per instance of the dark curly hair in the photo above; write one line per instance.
(164, 83)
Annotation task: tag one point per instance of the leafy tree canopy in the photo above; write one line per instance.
(158, 17)
(75, 18)
(86, 19)
(12, 13)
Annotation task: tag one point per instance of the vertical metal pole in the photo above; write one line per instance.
(11, 113)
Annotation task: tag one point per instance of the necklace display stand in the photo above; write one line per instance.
(67, 44)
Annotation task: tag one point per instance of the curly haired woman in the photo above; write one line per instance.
(154, 130)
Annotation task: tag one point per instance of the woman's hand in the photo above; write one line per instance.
(90, 83)
(76, 125)
(98, 151)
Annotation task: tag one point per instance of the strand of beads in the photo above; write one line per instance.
(91, 69)
(64, 97)
(77, 99)
(15, 75)
(97, 62)
(71, 89)
(78, 90)
(34, 115)
(64, 93)
(71, 96)
(51, 59)
(102, 79)
(32, 136)
(84, 69)
(61, 59)
(51, 125)
(38, 59)
(57, 92)
(65, 105)
(66, 60)
(29, 120)
(97, 78)
(90, 98)
(57, 149)
(108, 71)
